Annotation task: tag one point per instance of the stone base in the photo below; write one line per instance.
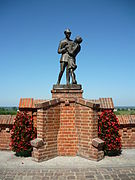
(67, 91)
(69, 87)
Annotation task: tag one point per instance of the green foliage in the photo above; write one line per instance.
(125, 112)
(22, 133)
(8, 111)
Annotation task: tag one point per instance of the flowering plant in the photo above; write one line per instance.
(108, 131)
(22, 133)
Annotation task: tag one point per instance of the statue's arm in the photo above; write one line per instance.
(78, 49)
(61, 49)
(75, 50)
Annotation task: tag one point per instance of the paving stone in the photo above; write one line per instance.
(131, 174)
(71, 177)
(123, 176)
(61, 178)
(35, 177)
(46, 178)
(114, 176)
(81, 178)
(89, 177)
(107, 177)
(89, 174)
(9, 176)
(79, 174)
(97, 174)
(98, 177)
(118, 171)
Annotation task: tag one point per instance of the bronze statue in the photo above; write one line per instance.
(69, 50)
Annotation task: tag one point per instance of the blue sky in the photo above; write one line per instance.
(30, 31)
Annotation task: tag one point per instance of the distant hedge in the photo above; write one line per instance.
(125, 112)
(8, 111)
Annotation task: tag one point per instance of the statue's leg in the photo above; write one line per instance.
(62, 68)
(67, 75)
(73, 76)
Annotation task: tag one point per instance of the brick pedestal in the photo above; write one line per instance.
(67, 125)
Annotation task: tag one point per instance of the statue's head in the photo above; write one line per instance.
(67, 33)
(78, 40)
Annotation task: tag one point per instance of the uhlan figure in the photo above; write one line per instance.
(69, 50)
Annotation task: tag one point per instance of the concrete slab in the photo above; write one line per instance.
(9, 160)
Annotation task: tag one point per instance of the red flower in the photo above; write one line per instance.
(109, 130)
(22, 132)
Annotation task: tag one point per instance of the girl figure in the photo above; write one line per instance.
(73, 49)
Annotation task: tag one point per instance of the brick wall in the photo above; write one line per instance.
(87, 125)
(127, 133)
(66, 126)
(48, 124)
(52, 124)
(67, 136)
(6, 124)
(80, 132)
(84, 120)
(34, 117)
(127, 130)
(5, 137)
